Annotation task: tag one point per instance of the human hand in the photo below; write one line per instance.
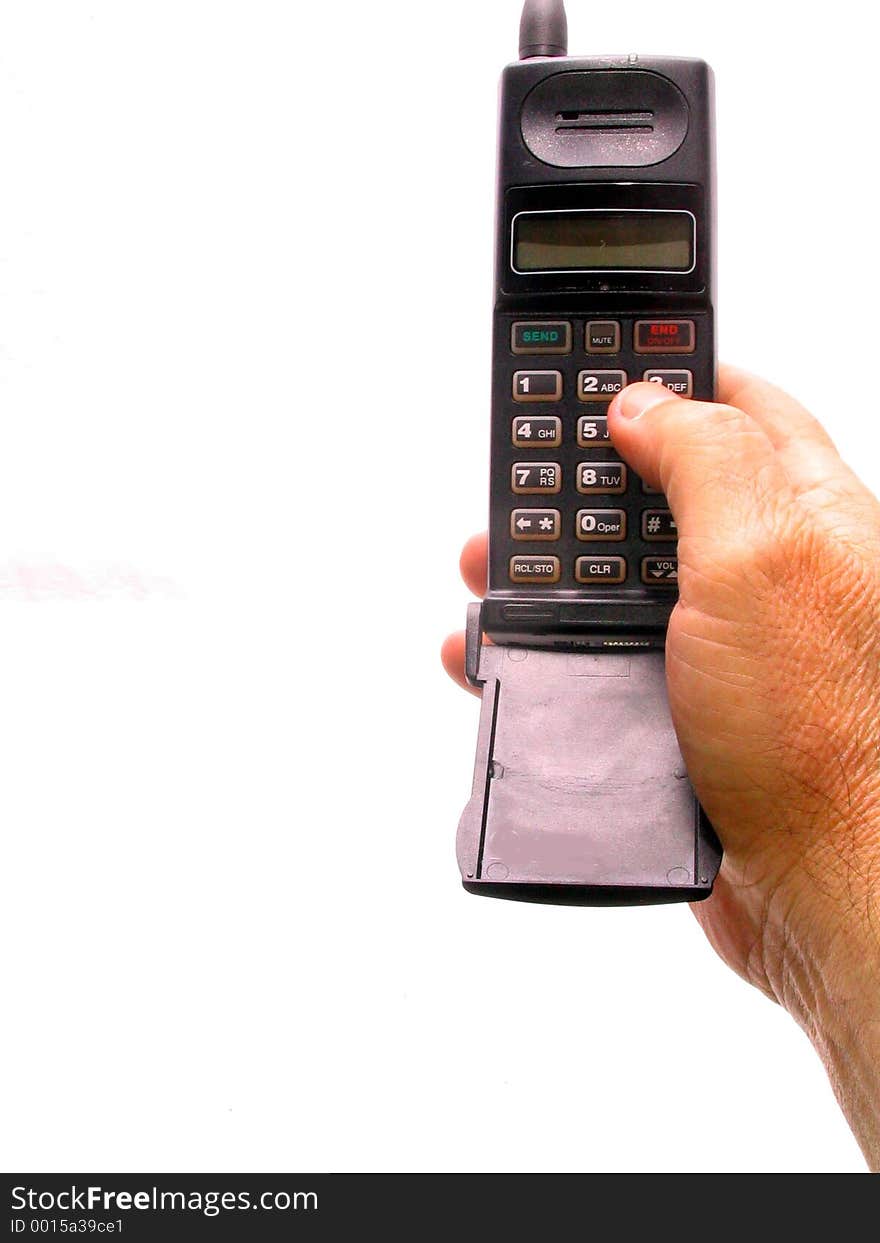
(774, 688)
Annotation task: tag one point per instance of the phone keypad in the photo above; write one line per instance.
(544, 430)
(602, 336)
(628, 540)
(534, 569)
(664, 336)
(541, 337)
(537, 385)
(600, 524)
(535, 524)
(592, 431)
(658, 525)
(600, 570)
(660, 571)
(531, 478)
(600, 385)
(677, 381)
(601, 478)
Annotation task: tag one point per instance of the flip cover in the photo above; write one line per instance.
(580, 794)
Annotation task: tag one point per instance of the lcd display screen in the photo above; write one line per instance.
(603, 241)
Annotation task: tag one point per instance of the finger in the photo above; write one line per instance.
(474, 563)
(452, 656)
(805, 449)
(816, 472)
(713, 462)
(784, 420)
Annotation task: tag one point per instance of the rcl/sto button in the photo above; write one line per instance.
(534, 569)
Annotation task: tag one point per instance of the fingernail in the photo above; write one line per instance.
(635, 400)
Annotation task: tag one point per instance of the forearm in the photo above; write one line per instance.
(824, 968)
(803, 926)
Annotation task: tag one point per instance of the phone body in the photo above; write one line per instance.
(604, 274)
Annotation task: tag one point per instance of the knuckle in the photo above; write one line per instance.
(810, 606)
(710, 445)
(709, 421)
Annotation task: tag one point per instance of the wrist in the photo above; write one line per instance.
(843, 1024)
(822, 963)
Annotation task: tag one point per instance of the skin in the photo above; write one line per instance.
(774, 687)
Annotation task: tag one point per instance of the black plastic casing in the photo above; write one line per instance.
(682, 97)
(580, 794)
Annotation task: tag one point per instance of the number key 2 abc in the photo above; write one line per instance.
(626, 530)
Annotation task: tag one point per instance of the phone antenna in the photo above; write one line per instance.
(543, 30)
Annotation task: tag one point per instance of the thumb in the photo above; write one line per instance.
(712, 462)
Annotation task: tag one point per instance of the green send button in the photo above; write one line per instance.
(541, 337)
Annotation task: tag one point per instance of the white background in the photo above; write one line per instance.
(245, 296)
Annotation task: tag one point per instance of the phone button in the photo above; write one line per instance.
(593, 431)
(534, 569)
(541, 337)
(528, 478)
(602, 336)
(600, 385)
(664, 336)
(534, 524)
(607, 477)
(537, 385)
(544, 431)
(600, 524)
(679, 382)
(600, 569)
(658, 524)
(660, 571)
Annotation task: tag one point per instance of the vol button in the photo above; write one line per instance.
(660, 570)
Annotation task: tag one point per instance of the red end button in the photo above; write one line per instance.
(665, 336)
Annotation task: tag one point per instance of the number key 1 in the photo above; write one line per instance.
(537, 385)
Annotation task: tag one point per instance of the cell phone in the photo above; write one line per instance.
(604, 274)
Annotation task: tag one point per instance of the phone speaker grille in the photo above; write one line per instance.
(595, 119)
(603, 118)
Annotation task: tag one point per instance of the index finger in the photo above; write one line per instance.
(783, 420)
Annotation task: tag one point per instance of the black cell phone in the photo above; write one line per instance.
(604, 274)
